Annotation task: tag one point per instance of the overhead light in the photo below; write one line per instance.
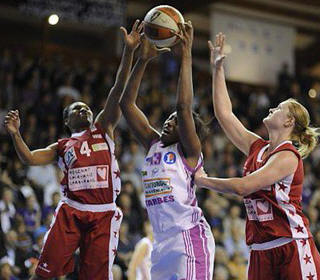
(312, 93)
(53, 19)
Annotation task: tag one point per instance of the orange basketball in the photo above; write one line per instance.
(159, 21)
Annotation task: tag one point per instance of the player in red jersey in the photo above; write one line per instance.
(277, 231)
(87, 217)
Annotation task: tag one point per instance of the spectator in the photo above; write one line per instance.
(7, 209)
(6, 272)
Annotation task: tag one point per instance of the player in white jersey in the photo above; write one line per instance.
(140, 264)
(184, 246)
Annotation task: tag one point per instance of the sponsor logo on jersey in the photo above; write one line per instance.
(170, 158)
(159, 200)
(101, 173)
(144, 173)
(70, 157)
(90, 177)
(258, 210)
(97, 136)
(99, 147)
(155, 171)
(157, 186)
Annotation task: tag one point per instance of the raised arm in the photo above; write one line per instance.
(36, 157)
(135, 118)
(279, 166)
(139, 254)
(241, 137)
(186, 127)
(110, 115)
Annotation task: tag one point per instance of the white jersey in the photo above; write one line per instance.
(169, 190)
(143, 270)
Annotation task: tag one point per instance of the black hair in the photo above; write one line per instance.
(65, 115)
(202, 127)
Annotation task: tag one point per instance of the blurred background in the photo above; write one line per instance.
(54, 52)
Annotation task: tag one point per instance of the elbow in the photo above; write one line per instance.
(27, 161)
(241, 191)
(222, 114)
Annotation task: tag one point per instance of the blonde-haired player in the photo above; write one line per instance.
(277, 231)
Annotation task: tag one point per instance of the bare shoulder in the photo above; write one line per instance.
(286, 159)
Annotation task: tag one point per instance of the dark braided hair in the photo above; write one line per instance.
(65, 116)
(202, 127)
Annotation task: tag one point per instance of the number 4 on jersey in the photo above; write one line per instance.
(85, 150)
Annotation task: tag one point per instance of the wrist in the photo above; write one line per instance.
(128, 50)
(217, 68)
(144, 60)
(187, 54)
(15, 134)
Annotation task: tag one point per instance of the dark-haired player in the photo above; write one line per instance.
(87, 217)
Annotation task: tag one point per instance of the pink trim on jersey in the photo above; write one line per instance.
(199, 252)
(198, 256)
(206, 251)
(187, 245)
(195, 215)
(185, 163)
(194, 202)
(154, 141)
(192, 254)
(190, 189)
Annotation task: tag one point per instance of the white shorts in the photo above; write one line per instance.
(188, 255)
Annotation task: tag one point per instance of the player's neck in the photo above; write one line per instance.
(276, 139)
(79, 129)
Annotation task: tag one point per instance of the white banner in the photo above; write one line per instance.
(258, 48)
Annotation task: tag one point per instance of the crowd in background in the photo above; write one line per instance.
(41, 88)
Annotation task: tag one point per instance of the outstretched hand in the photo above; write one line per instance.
(12, 122)
(217, 54)
(133, 39)
(185, 35)
(149, 50)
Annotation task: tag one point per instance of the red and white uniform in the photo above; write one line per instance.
(277, 230)
(87, 217)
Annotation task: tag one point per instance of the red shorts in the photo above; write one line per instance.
(95, 233)
(297, 260)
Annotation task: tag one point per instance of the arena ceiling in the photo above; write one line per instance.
(303, 14)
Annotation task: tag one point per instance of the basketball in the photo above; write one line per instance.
(159, 22)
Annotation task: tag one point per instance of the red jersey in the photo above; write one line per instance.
(274, 211)
(91, 172)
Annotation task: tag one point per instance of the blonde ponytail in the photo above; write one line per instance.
(303, 135)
